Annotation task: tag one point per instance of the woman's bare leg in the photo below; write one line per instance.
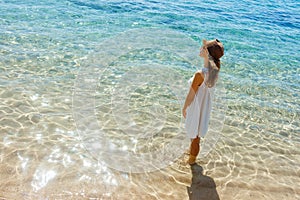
(195, 148)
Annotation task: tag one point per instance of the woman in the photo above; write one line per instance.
(198, 103)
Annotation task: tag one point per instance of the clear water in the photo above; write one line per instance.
(91, 106)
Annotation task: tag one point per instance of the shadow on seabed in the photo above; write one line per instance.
(202, 187)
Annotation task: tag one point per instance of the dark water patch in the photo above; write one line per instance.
(111, 7)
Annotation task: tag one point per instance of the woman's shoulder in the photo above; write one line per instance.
(199, 76)
(199, 73)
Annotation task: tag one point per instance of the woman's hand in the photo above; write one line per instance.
(184, 112)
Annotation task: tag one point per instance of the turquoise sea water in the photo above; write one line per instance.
(46, 46)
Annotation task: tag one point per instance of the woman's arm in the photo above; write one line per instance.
(198, 79)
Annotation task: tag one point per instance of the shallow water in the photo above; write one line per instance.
(91, 105)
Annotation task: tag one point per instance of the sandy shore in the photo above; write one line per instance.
(173, 182)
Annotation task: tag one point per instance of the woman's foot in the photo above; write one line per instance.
(191, 160)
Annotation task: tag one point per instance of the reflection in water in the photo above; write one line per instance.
(41, 178)
(202, 187)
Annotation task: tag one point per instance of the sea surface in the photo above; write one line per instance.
(91, 95)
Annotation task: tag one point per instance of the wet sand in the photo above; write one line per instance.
(234, 176)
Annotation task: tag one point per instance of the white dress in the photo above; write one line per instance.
(198, 112)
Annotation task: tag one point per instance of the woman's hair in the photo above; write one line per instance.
(216, 51)
(213, 72)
